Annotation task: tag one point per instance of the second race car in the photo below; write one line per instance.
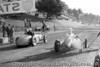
(30, 39)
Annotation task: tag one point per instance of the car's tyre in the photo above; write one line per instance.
(33, 41)
(57, 46)
(85, 43)
(97, 61)
(45, 38)
(16, 41)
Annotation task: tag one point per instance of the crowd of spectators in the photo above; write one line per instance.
(7, 30)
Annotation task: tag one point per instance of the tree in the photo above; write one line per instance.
(51, 7)
(76, 13)
(80, 11)
(69, 11)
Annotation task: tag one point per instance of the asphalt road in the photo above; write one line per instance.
(43, 55)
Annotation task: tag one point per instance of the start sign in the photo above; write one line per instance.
(17, 7)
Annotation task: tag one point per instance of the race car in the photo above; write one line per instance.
(97, 59)
(70, 42)
(30, 40)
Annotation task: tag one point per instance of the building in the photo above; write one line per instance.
(2, 1)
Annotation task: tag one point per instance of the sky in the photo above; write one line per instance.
(87, 6)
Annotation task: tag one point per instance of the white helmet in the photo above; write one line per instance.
(71, 30)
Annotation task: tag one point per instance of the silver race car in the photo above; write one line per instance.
(30, 39)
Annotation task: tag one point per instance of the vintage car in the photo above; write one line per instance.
(97, 59)
(43, 30)
(70, 42)
(26, 40)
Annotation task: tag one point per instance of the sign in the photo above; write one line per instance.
(17, 7)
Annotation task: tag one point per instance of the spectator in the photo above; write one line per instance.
(54, 26)
(11, 30)
(8, 26)
(4, 29)
(29, 23)
(44, 26)
(0, 27)
(1, 20)
(25, 23)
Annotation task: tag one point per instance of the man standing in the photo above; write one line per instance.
(29, 23)
(25, 22)
(54, 26)
(8, 27)
(11, 30)
(4, 29)
(43, 26)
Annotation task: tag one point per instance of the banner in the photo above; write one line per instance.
(17, 7)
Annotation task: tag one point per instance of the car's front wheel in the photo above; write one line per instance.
(33, 41)
(16, 42)
(45, 38)
(57, 46)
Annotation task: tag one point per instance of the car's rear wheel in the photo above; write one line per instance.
(57, 46)
(97, 61)
(45, 38)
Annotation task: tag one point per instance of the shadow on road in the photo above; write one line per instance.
(10, 47)
(51, 55)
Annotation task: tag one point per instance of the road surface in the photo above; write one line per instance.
(43, 55)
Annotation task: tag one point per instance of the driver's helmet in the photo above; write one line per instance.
(71, 34)
(70, 30)
(29, 29)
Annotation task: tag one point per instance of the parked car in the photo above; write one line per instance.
(97, 59)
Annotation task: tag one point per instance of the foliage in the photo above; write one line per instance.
(51, 7)
(84, 17)
(57, 8)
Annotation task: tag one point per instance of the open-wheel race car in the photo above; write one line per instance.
(70, 42)
(30, 39)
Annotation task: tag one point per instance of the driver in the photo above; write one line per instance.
(69, 37)
(72, 41)
(30, 32)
